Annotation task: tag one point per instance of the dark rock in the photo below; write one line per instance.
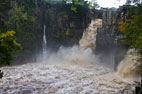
(59, 22)
(108, 45)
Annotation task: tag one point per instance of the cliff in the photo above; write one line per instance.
(64, 27)
(108, 39)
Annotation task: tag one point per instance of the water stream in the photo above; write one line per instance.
(69, 71)
(44, 47)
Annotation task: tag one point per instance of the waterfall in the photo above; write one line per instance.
(130, 66)
(44, 48)
(88, 39)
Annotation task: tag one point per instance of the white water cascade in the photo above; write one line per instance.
(69, 71)
(44, 46)
(88, 39)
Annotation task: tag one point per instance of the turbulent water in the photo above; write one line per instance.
(69, 71)
(129, 67)
(88, 39)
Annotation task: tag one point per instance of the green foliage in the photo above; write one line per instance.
(77, 4)
(71, 5)
(19, 20)
(25, 26)
(132, 29)
(8, 44)
(18, 17)
(29, 5)
(67, 32)
(74, 9)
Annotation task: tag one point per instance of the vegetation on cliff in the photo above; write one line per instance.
(22, 17)
(132, 27)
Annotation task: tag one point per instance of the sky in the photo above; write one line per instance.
(110, 3)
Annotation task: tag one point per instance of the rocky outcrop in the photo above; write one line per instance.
(109, 48)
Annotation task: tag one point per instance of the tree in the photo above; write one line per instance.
(8, 44)
(132, 28)
(29, 5)
(26, 28)
(17, 18)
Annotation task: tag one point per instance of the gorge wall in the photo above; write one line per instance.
(108, 45)
(104, 38)
(63, 26)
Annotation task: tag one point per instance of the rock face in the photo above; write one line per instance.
(88, 39)
(108, 38)
(64, 27)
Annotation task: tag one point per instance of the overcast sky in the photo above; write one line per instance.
(110, 3)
